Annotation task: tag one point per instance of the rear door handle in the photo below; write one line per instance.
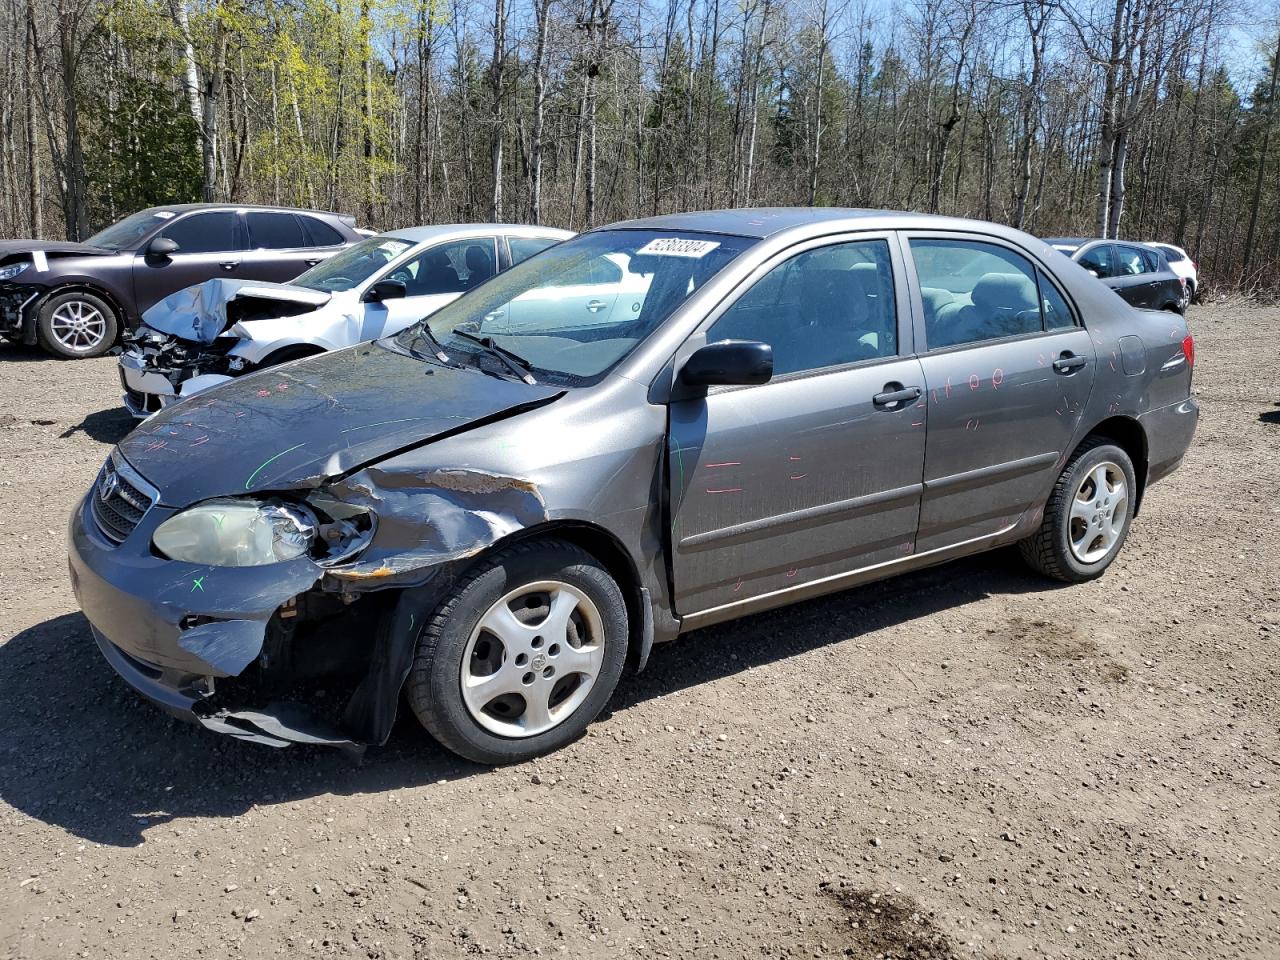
(898, 394)
(595, 306)
(229, 264)
(1069, 362)
(311, 261)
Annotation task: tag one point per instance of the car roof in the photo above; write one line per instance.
(176, 208)
(1070, 241)
(443, 231)
(762, 222)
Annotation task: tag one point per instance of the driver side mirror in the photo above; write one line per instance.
(386, 290)
(728, 363)
(162, 247)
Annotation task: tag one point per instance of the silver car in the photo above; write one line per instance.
(210, 332)
(496, 521)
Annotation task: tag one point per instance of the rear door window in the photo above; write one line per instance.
(319, 233)
(275, 231)
(211, 232)
(522, 248)
(1130, 261)
(974, 291)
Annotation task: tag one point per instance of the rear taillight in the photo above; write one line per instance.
(1189, 349)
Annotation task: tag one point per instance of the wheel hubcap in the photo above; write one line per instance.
(78, 325)
(1098, 513)
(532, 659)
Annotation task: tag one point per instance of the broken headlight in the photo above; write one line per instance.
(248, 532)
(237, 533)
(13, 269)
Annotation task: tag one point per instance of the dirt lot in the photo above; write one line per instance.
(967, 762)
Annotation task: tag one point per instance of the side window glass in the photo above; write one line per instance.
(1057, 315)
(822, 308)
(1130, 262)
(522, 248)
(319, 233)
(1099, 261)
(213, 232)
(448, 268)
(974, 291)
(274, 231)
(1152, 261)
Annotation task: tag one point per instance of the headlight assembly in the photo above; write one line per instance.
(13, 269)
(237, 533)
(251, 532)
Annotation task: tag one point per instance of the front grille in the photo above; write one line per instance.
(119, 501)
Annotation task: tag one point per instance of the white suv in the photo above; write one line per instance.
(1180, 262)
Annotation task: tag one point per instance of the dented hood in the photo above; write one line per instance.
(199, 313)
(294, 426)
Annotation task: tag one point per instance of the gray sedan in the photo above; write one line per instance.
(495, 519)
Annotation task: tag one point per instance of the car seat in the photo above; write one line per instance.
(435, 275)
(1003, 304)
(479, 262)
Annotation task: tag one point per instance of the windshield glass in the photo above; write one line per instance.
(353, 266)
(575, 310)
(128, 231)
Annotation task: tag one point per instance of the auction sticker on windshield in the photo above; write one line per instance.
(676, 247)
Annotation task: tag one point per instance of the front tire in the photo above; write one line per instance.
(1087, 517)
(523, 655)
(76, 325)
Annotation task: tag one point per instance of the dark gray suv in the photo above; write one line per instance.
(74, 298)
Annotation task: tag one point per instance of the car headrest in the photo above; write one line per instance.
(1004, 291)
(479, 261)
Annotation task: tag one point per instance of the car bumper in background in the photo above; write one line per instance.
(145, 391)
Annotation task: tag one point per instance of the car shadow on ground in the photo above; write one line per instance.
(105, 426)
(20, 351)
(1270, 416)
(79, 750)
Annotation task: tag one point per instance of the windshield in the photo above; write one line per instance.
(576, 309)
(353, 266)
(127, 232)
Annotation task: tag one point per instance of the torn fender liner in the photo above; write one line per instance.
(199, 313)
(295, 427)
(371, 712)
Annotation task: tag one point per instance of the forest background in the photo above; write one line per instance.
(1144, 119)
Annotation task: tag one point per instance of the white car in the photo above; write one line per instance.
(207, 334)
(1180, 262)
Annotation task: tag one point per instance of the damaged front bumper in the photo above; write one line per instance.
(153, 376)
(173, 635)
(17, 312)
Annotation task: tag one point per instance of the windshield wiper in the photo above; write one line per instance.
(513, 361)
(424, 333)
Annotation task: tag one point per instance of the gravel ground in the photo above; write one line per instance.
(966, 762)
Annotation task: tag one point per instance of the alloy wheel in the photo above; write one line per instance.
(532, 659)
(78, 326)
(1098, 513)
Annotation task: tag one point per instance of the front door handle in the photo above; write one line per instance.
(595, 306)
(895, 393)
(1068, 363)
(229, 264)
(311, 261)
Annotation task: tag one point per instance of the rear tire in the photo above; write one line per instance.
(522, 656)
(75, 325)
(1087, 516)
